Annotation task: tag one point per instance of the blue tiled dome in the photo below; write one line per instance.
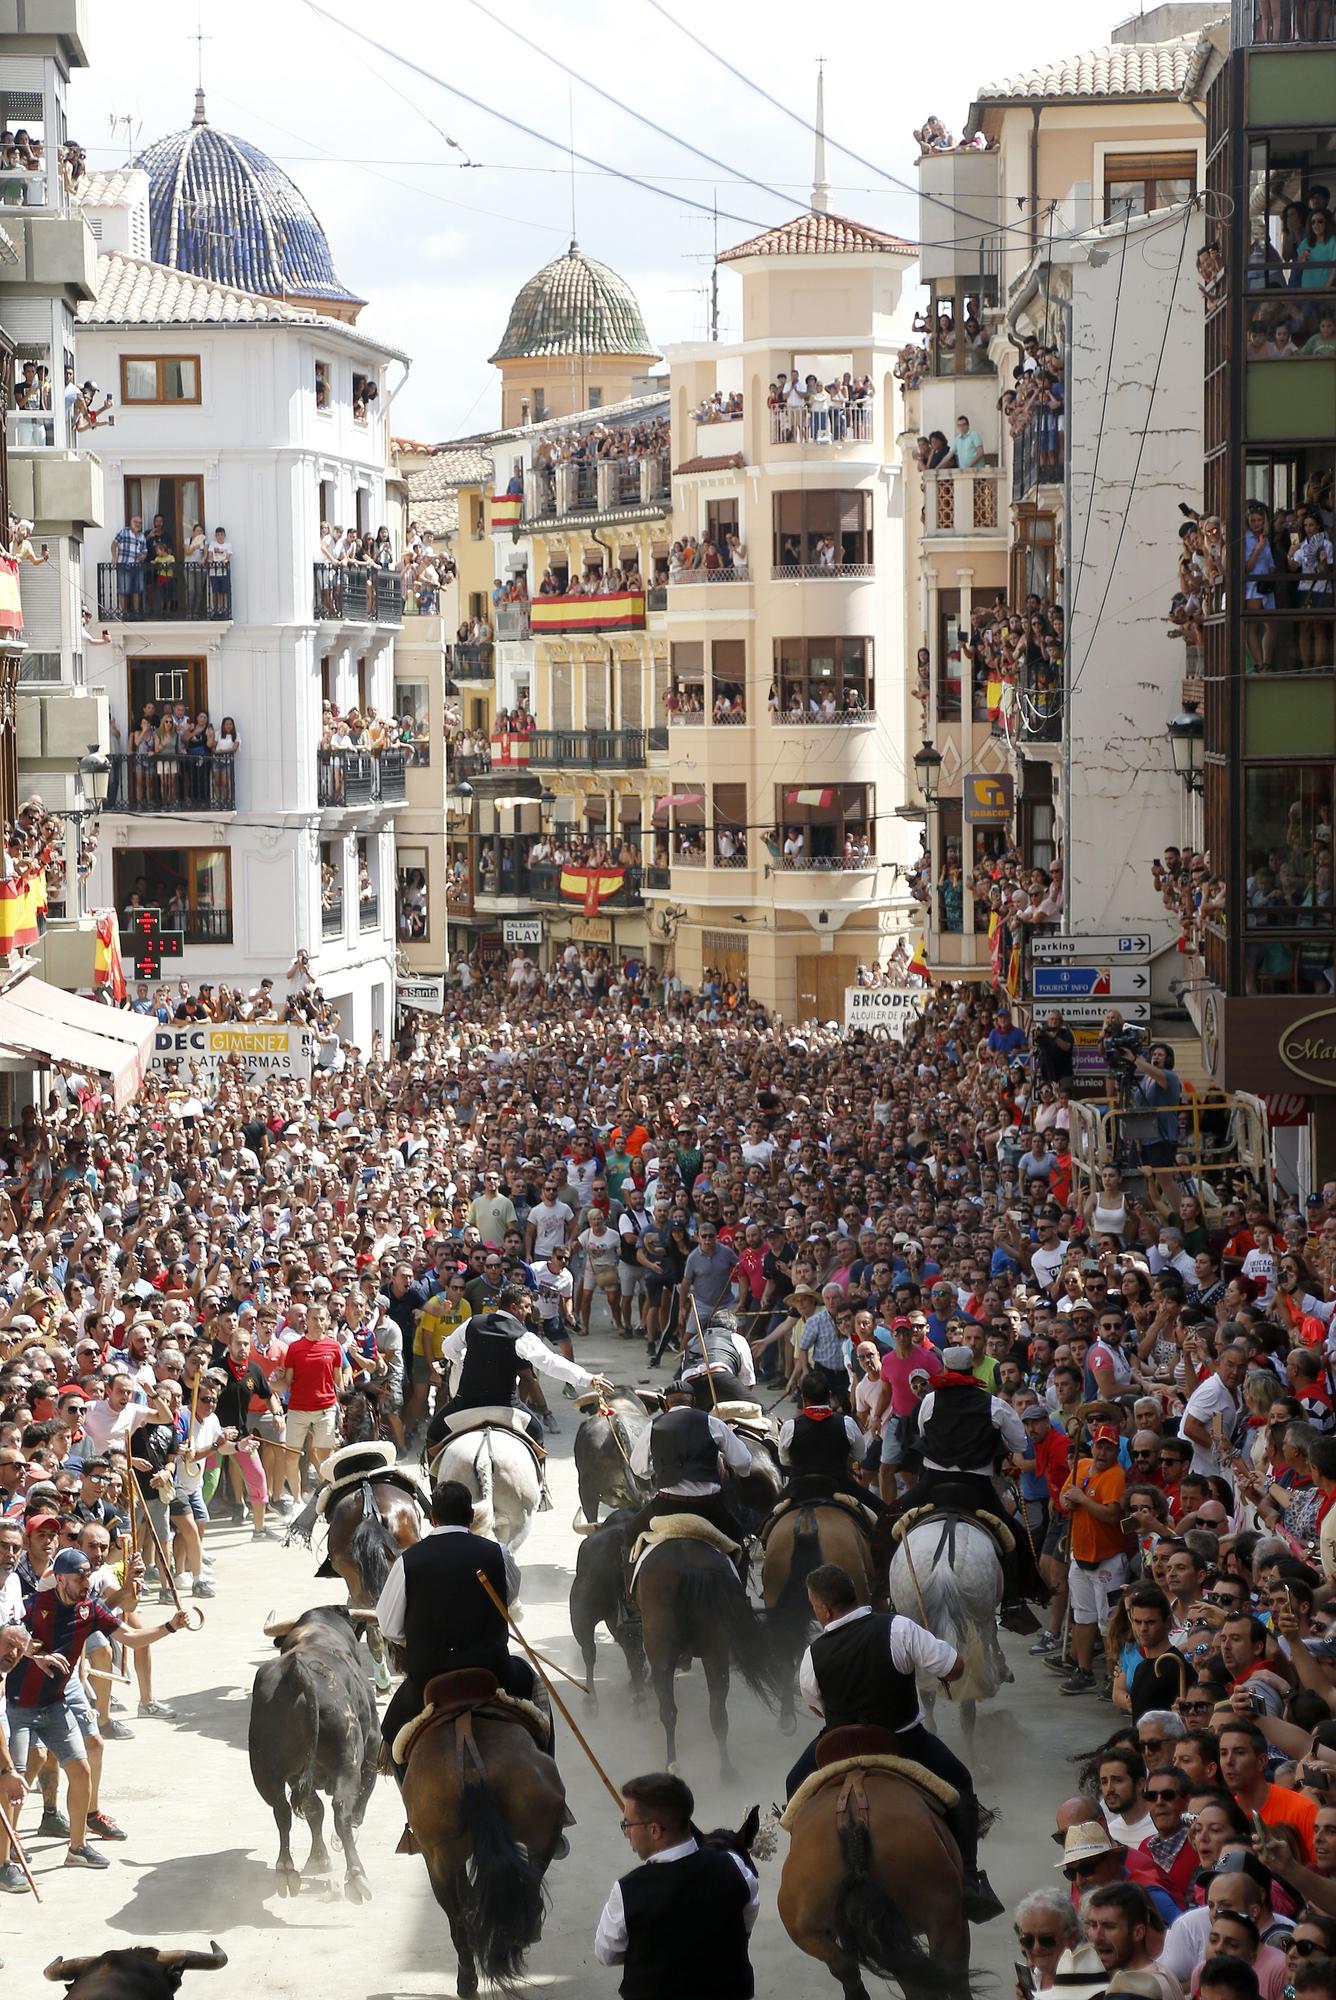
(220, 209)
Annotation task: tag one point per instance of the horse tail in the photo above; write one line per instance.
(484, 1514)
(373, 1549)
(871, 1928)
(791, 1613)
(508, 1899)
(710, 1600)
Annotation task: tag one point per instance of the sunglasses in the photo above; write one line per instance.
(1167, 1796)
(1028, 1940)
(1305, 1947)
(1078, 1870)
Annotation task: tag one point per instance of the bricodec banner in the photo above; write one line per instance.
(265, 1050)
(890, 1009)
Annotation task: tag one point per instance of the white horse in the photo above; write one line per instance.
(500, 1471)
(960, 1577)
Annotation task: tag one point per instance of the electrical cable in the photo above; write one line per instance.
(1104, 402)
(530, 131)
(674, 138)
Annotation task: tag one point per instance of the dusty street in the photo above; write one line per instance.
(199, 1859)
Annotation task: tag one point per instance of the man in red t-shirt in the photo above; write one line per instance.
(313, 1370)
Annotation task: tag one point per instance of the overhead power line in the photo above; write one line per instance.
(518, 125)
(674, 138)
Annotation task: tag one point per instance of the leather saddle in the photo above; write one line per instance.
(942, 1507)
(855, 1739)
(492, 1416)
(862, 1517)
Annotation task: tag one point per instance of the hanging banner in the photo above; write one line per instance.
(889, 1008)
(427, 996)
(506, 509)
(279, 1049)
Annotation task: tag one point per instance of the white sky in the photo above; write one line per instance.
(439, 250)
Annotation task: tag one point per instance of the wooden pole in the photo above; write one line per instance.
(130, 1503)
(923, 1609)
(704, 1355)
(573, 1725)
(17, 1845)
(168, 1577)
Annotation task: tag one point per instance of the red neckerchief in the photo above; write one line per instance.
(949, 1379)
(1257, 1667)
(819, 1414)
(1325, 1505)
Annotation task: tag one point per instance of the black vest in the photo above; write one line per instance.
(819, 1446)
(682, 1447)
(685, 1930)
(449, 1620)
(490, 1371)
(719, 1351)
(961, 1433)
(857, 1680)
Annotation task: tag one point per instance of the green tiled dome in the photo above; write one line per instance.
(574, 306)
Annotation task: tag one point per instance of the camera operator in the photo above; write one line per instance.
(1156, 1090)
(1054, 1050)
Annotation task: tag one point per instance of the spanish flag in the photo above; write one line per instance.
(506, 510)
(21, 897)
(11, 610)
(810, 795)
(591, 884)
(918, 964)
(107, 968)
(623, 609)
(508, 748)
(1014, 971)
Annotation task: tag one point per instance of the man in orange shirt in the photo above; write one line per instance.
(1243, 1769)
(1093, 1496)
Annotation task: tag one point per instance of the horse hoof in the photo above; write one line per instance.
(466, 1985)
(591, 1703)
(674, 1768)
(517, 1612)
(357, 1889)
(788, 1725)
(289, 1881)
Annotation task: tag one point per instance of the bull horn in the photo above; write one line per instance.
(69, 1968)
(276, 1627)
(354, 1611)
(211, 1960)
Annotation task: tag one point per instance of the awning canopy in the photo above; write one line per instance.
(45, 1024)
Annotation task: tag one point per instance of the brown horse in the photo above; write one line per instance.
(850, 1879)
(487, 1814)
(369, 1526)
(812, 1533)
(694, 1607)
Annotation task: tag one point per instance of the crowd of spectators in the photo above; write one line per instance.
(172, 756)
(1294, 245)
(719, 408)
(725, 558)
(423, 570)
(1192, 894)
(932, 137)
(588, 445)
(593, 581)
(1006, 891)
(1011, 659)
(1287, 567)
(357, 729)
(1035, 408)
(804, 408)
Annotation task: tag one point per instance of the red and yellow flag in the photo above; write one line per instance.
(592, 884)
(810, 795)
(107, 968)
(506, 510)
(11, 609)
(624, 609)
(918, 964)
(21, 898)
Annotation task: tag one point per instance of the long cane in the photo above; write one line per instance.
(574, 1726)
(704, 1355)
(17, 1845)
(923, 1609)
(168, 1576)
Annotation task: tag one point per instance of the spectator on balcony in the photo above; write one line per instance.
(162, 565)
(129, 551)
(933, 136)
(939, 451)
(795, 844)
(966, 447)
(818, 411)
(951, 896)
(220, 575)
(224, 751)
(737, 558)
(20, 544)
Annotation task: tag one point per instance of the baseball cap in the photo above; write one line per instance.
(1104, 1434)
(1033, 1413)
(35, 1521)
(71, 1562)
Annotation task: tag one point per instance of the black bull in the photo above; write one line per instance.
(141, 1972)
(313, 1729)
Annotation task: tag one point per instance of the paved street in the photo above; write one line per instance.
(199, 1860)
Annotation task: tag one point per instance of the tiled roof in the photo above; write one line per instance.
(574, 306)
(110, 190)
(729, 462)
(819, 235)
(130, 290)
(1153, 69)
(457, 465)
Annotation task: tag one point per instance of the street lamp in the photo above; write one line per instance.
(94, 773)
(928, 771)
(1185, 745)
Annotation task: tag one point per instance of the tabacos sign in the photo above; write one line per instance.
(1308, 1048)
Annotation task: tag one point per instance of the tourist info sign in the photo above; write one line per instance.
(1090, 982)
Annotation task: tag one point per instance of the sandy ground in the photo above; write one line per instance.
(199, 1859)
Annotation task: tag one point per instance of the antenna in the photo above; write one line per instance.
(199, 38)
(133, 127)
(570, 115)
(698, 256)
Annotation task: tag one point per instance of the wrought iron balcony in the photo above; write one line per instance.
(171, 784)
(472, 662)
(357, 594)
(331, 918)
(134, 592)
(352, 778)
(597, 749)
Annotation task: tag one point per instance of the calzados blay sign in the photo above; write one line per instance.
(889, 1008)
(281, 1050)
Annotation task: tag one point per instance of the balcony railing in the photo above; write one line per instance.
(694, 576)
(598, 749)
(595, 486)
(851, 424)
(351, 778)
(1036, 458)
(331, 918)
(843, 718)
(368, 912)
(472, 662)
(822, 864)
(657, 877)
(469, 764)
(688, 718)
(657, 738)
(512, 621)
(139, 591)
(656, 597)
(856, 572)
(199, 926)
(357, 594)
(960, 503)
(171, 784)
